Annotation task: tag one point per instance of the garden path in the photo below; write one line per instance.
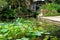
(52, 19)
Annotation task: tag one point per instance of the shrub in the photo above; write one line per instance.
(52, 29)
(53, 9)
(19, 29)
(3, 3)
(7, 14)
(57, 1)
(50, 6)
(23, 12)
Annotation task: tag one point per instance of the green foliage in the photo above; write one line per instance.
(16, 10)
(50, 6)
(52, 9)
(3, 3)
(52, 14)
(52, 29)
(57, 1)
(23, 10)
(23, 39)
(6, 13)
(20, 28)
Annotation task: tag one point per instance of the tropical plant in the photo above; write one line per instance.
(19, 29)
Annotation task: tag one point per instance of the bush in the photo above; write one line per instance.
(57, 1)
(53, 9)
(50, 6)
(3, 3)
(7, 14)
(52, 29)
(19, 29)
(23, 12)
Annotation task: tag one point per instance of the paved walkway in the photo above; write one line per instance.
(54, 19)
